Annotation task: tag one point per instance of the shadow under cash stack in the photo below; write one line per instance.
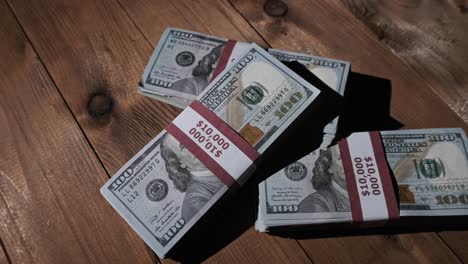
(211, 146)
(430, 167)
(184, 62)
(334, 73)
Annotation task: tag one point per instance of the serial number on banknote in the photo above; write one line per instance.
(131, 194)
(187, 44)
(440, 187)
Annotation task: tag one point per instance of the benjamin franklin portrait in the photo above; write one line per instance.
(329, 182)
(201, 73)
(189, 175)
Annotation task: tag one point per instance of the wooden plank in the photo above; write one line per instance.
(51, 210)
(404, 248)
(327, 29)
(457, 242)
(96, 56)
(212, 17)
(3, 255)
(429, 36)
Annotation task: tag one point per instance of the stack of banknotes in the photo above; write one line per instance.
(183, 64)
(430, 167)
(165, 189)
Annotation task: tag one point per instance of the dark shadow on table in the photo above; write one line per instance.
(367, 105)
(236, 213)
(402, 226)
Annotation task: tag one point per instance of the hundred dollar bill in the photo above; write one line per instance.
(310, 190)
(430, 167)
(183, 64)
(164, 189)
(332, 72)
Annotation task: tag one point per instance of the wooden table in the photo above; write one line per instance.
(70, 115)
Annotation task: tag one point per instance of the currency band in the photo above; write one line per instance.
(213, 142)
(224, 59)
(370, 189)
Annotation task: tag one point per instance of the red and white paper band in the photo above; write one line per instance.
(368, 179)
(224, 59)
(213, 142)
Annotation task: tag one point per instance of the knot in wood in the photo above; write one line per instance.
(100, 104)
(275, 8)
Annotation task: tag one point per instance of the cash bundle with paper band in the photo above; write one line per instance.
(178, 176)
(350, 183)
(430, 167)
(368, 181)
(184, 62)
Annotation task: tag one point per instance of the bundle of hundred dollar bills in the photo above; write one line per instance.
(430, 167)
(184, 62)
(211, 146)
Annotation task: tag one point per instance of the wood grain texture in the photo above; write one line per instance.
(3, 255)
(429, 36)
(404, 248)
(211, 17)
(96, 56)
(255, 247)
(50, 207)
(327, 29)
(456, 240)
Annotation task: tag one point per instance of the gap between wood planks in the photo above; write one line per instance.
(4, 258)
(56, 87)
